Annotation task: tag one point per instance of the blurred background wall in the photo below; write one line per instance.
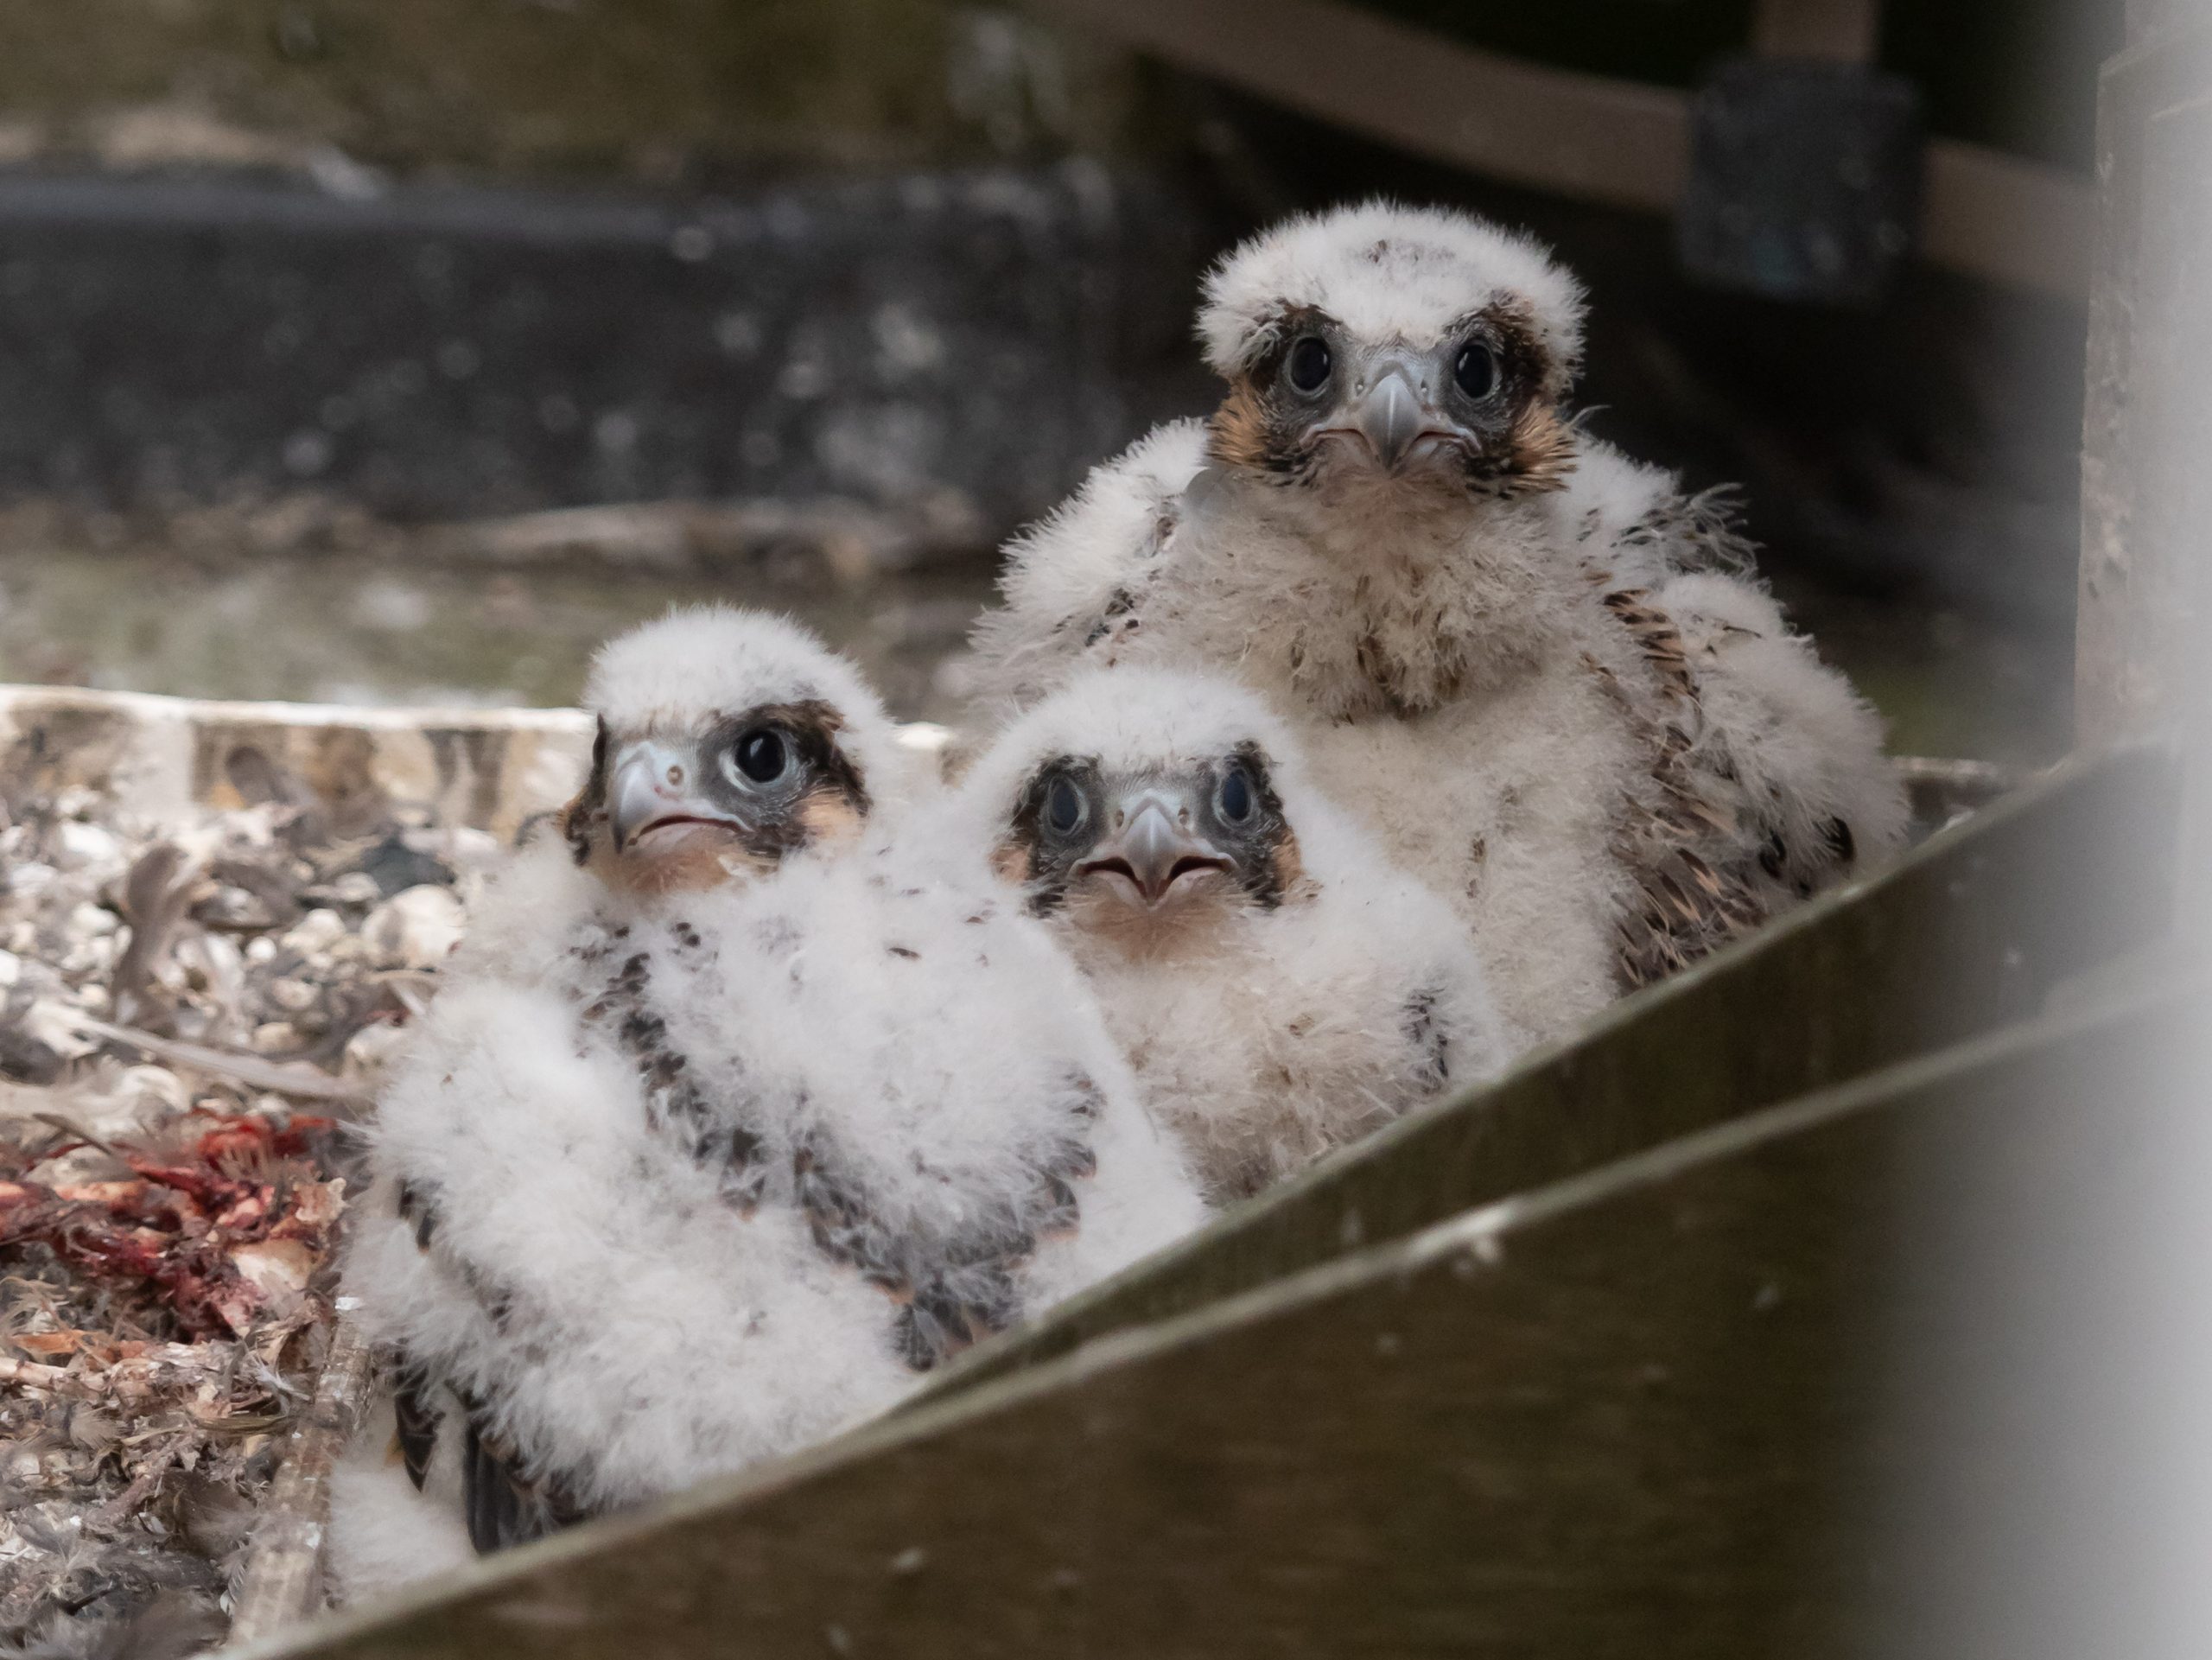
(397, 349)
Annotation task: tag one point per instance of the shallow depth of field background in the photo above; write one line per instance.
(398, 351)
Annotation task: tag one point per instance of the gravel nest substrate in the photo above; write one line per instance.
(191, 1014)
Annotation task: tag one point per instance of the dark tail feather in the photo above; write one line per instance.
(505, 1506)
(417, 1410)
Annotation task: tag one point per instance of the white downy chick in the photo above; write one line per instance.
(1279, 987)
(694, 1163)
(1541, 674)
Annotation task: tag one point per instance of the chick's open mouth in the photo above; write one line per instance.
(674, 829)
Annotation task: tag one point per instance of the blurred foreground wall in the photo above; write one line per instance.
(869, 283)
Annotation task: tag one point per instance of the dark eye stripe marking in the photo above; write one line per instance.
(1044, 864)
(1521, 445)
(1262, 846)
(824, 785)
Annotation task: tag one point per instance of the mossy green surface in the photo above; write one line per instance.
(400, 629)
(338, 629)
(664, 90)
(2020, 74)
(676, 91)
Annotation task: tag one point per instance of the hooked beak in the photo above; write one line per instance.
(1390, 411)
(654, 792)
(1152, 851)
(1390, 417)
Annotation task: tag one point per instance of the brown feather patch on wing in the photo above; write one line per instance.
(950, 1292)
(415, 1412)
(1428, 1037)
(949, 1289)
(676, 1104)
(1688, 905)
(417, 1209)
(505, 1503)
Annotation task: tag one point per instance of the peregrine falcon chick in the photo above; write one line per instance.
(732, 1120)
(1543, 675)
(1280, 988)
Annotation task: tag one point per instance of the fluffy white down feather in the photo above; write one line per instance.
(716, 657)
(1528, 752)
(385, 1534)
(635, 1310)
(1262, 1037)
(1385, 270)
(650, 1334)
(902, 1015)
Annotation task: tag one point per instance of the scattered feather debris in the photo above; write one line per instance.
(191, 1014)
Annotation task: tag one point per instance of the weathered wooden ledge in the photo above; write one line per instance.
(1643, 1410)
(491, 769)
(1970, 930)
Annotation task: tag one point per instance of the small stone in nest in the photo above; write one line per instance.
(415, 929)
(396, 867)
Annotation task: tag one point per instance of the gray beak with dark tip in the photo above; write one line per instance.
(1390, 417)
(655, 787)
(1151, 847)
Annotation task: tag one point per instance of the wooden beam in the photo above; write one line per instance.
(1616, 143)
(1604, 140)
(282, 1583)
(1940, 788)
(2145, 498)
(1842, 31)
(1970, 930)
(1648, 1412)
(1995, 216)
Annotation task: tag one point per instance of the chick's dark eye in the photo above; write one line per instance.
(1236, 796)
(1476, 371)
(763, 755)
(1064, 807)
(1310, 363)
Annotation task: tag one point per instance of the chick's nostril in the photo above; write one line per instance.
(675, 775)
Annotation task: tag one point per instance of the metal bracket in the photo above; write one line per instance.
(1805, 179)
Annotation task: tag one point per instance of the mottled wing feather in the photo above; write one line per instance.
(415, 1405)
(1076, 588)
(675, 1100)
(1428, 1037)
(1774, 851)
(1690, 901)
(414, 1397)
(1696, 533)
(943, 1292)
(505, 1505)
